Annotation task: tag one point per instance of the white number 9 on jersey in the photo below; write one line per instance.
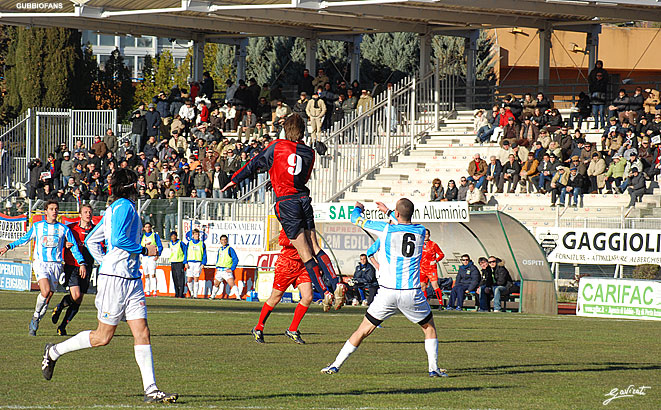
(296, 163)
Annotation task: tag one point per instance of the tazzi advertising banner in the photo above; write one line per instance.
(455, 211)
(601, 246)
(619, 298)
(247, 238)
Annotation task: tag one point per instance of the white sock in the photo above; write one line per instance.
(154, 284)
(190, 289)
(235, 291)
(195, 288)
(41, 307)
(145, 361)
(214, 292)
(431, 346)
(147, 285)
(344, 354)
(80, 341)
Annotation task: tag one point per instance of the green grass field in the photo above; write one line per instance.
(203, 351)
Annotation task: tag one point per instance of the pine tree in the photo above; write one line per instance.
(182, 73)
(114, 88)
(44, 67)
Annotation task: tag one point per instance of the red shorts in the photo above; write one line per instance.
(432, 276)
(289, 272)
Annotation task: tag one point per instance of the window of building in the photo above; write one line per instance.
(143, 42)
(106, 40)
(126, 41)
(129, 61)
(102, 59)
(140, 67)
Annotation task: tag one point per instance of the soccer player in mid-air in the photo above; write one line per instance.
(120, 295)
(399, 282)
(149, 262)
(290, 164)
(431, 255)
(289, 270)
(49, 238)
(77, 283)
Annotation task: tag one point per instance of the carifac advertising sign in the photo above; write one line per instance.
(602, 246)
(619, 298)
(455, 211)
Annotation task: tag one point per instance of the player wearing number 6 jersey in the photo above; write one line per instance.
(49, 239)
(399, 258)
(290, 164)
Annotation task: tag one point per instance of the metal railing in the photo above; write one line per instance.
(39, 131)
(361, 143)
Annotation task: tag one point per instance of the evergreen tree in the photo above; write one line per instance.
(223, 65)
(44, 67)
(182, 73)
(114, 87)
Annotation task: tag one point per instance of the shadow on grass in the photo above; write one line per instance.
(559, 368)
(353, 392)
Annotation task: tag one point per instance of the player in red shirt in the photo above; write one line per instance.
(431, 255)
(290, 163)
(77, 283)
(289, 270)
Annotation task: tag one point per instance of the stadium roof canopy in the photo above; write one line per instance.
(193, 19)
(233, 21)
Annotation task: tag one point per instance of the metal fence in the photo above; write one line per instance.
(38, 131)
(362, 142)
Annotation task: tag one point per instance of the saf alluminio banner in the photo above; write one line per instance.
(12, 227)
(601, 246)
(15, 276)
(619, 298)
(247, 238)
(454, 211)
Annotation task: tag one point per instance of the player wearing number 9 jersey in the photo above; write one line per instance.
(290, 163)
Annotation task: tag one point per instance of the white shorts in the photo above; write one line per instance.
(48, 270)
(223, 274)
(148, 265)
(119, 299)
(412, 303)
(194, 269)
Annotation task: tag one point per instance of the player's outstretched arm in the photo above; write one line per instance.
(358, 219)
(22, 240)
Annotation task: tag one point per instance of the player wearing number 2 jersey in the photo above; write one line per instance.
(399, 258)
(289, 163)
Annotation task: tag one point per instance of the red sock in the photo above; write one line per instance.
(298, 316)
(266, 311)
(439, 295)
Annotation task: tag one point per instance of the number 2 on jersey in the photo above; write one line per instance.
(296, 163)
(408, 245)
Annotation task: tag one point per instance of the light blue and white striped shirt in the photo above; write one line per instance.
(399, 253)
(49, 242)
(120, 230)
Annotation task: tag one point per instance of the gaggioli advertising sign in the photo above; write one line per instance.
(455, 211)
(619, 298)
(602, 246)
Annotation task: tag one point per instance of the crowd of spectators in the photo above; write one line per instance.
(185, 143)
(541, 152)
